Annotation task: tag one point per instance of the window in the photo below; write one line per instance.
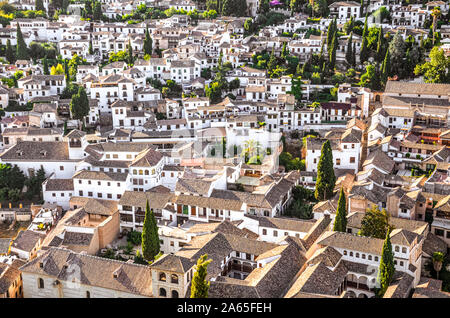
(397, 249)
(351, 254)
(275, 233)
(40, 283)
(376, 258)
(61, 168)
(174, 279)
(162, 292)
(172, 243)
(88, 294)
(357, 255)
(264, 232)
(401, 263)
(439, 232)
(162, 277)
(345, 252)
(404, 250)
(338, 162)
(369, 257)
(352, 160)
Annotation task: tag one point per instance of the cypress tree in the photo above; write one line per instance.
(386, 270)
(386, 67)
(91, 49)
(272, 64)
(148, 43)
(65, 128)
(10, 56)
(380, 45)
(21, 48)
(325, 173)
(45, 66)
(349, 53)
(354, 55)
(364, 53)
(150, 238)
(340, 222)
(200, 287)
(332, 52)
(330, 33)
(130, 53)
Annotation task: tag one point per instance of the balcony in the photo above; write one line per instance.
(356, 285)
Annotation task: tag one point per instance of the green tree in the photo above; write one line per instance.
(375, 223)
(320, 8)
(90, 49)
(97, 11)
(296, 88)
(9, 54)
(438, 260)
(348, 26)
(79, 104)
(340, 222)
(364, 53)
(130, 58)
(437, 69)
(21, 47)
(349, 53)
(386, 68)
(148, 43)
(272, 64)
(397, 52)
(40, 5)
(386, 270)
(45, 66)
(150, 237)
(325, 173)
(332, 52)
(380, 46)
(200, 287)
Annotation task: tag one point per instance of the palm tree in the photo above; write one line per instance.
(436, 13)
(438, 259)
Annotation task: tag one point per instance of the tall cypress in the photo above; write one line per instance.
(10, 56)
(387, 269)
(349, 53)
(380, 45)
(200, 287)
(150, 237)
(340, 222)
(21, 48)
(45, 66)
(386, 67)
(90, 49)
(364, 53)
(325, 173)
(148, 43)
(354, 55)
(130, 53)
(332, 51)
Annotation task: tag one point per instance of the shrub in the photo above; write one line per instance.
(134, 237)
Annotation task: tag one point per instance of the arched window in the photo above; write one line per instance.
(41, 283)
(162, 277)
(134, 171)
(88, 294)
(397, 249)
(162, 292)
(140, 172)
(174, 294)
(146, 172)
(404, 249)
(174, 279)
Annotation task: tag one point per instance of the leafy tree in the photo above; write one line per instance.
(148, 43)
(386, 270)
(325, 173)
(296, 88)
(58, 70)
(150, 237)
(21, 48)
(79, 105)
(11, 177)
(375, 223)
(320, 8)
(9, 54)
(371, 78)
(348, 26)
(340, 222)
(438, 260)
(397, 51)
(200, 287)
(437, 69)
